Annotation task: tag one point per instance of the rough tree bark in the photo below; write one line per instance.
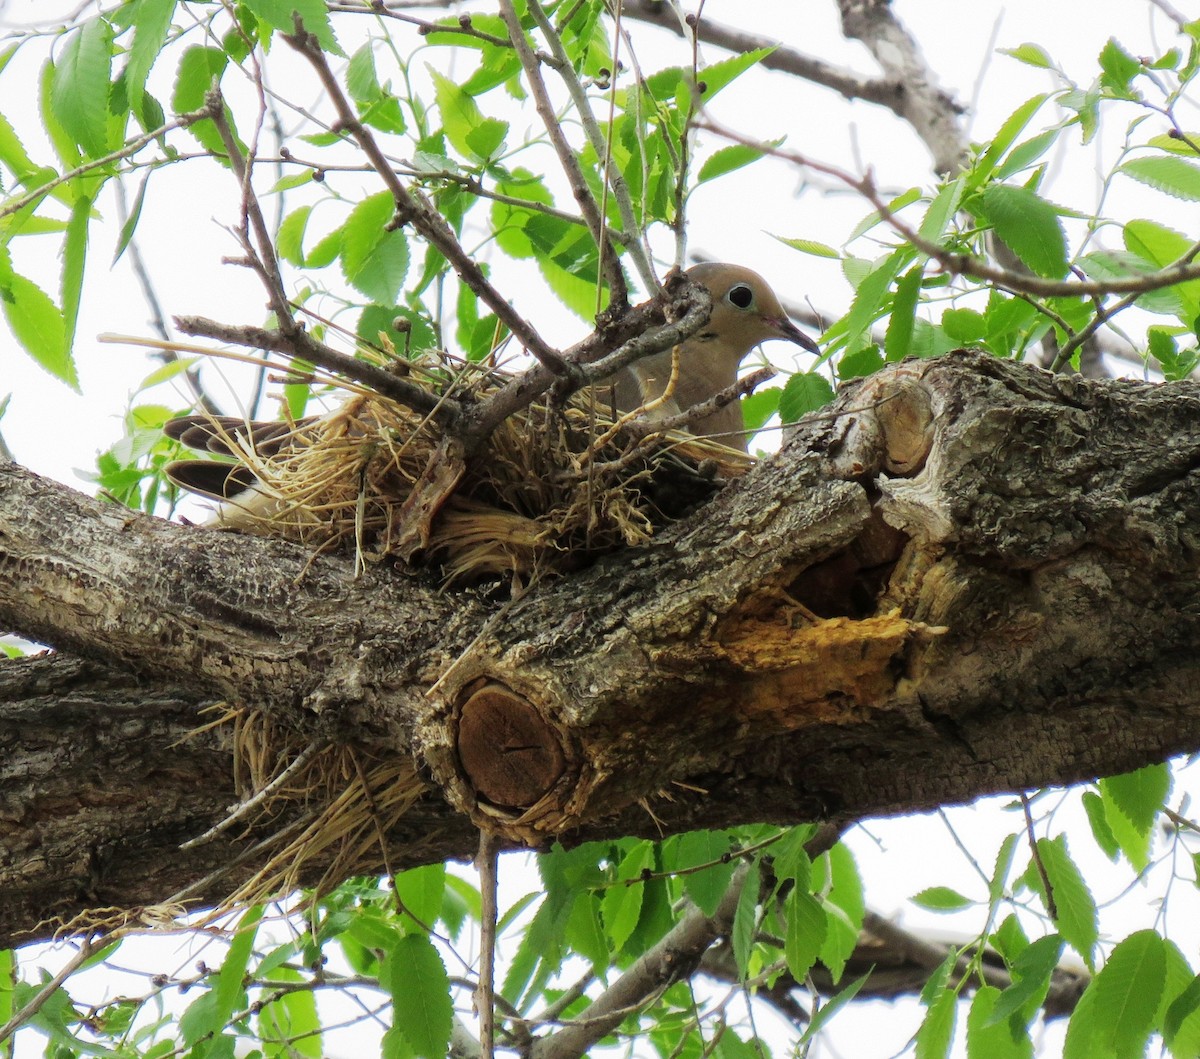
(969, 576)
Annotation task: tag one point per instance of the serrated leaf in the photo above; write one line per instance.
(1132, 803)
(1073, 901)
(622, 902)
(727, 160)
(719, 75)
(809, 246)
(198, 67)
(1127, 990)
(374, 258)
(707, 886)
(151, 20)
(964, 325)
(290, 239)
(897, 342)
(804, 392)
(80, 87)
(1004, 859)
(74, 258)
(1029, 226)
(745, 920)
(806, 927)
(280, 15)
(941, 899)
(486, 139)
(419, 892)
(1119, 67)
(988, 1038)
(230, 991)
(1093, 805)
(422, 1011)
(1030, 55)
(937, 1028)
(1013, 126)
(1031, 972)
(460, 113)
(1166, 173)
(941, 210)
(37, 324)
(870, 296)
(1181, 1025)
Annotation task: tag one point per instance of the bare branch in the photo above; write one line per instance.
(412, 207)
(300, 344)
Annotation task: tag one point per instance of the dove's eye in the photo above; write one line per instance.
(741, 296)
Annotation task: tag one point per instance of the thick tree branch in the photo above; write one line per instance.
(970, 576)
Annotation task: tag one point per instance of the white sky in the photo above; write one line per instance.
(54, 431)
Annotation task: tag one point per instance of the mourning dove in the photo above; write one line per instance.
(745, 312)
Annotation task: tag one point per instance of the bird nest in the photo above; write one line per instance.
(555, 485)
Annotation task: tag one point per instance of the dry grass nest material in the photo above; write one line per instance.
(555, 485)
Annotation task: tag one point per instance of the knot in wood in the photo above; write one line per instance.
(509, 752)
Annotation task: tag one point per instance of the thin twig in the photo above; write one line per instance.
(244, 809)
(600, 143)
(567, 159)
(1179, 271)
(303, 346)
(1051, 907)
(413, 207)
(487, 864)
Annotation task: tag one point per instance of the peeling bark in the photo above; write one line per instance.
(974, 577)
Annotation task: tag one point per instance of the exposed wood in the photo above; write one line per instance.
(977, 577)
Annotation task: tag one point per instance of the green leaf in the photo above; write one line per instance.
(486, 139)
(419, 891)
(719, 75)
(869, 298)
(727, 160)
(1181, 1025)
(897, 343)
(422, 1011)
(13, 154)
(198, 68)
(151, 20)
(804, 392)
(708, 886)
(745, 920)
(937, 1028)
(1031, 972)
(1030, 55)
(941, 899)
(1093, 805)
(80, 87)
(1004, 859)
(1132, 803)
(1029, 226)
(230, 988)
(131, 222)
(806, 927)
(1127, 990)
(759, 406)
(374, 259)
(290, 1016)
(622, 902)
(964, 325)
(809, 246)
(1119, 67)
(941, 210)
(988, 1038)
(290, 239)
(74, 257)
(585, 932)
(280, 14)
(1166, 173)
(460, 113)
(1076, 920)
(1013, 126)
(37, 324)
